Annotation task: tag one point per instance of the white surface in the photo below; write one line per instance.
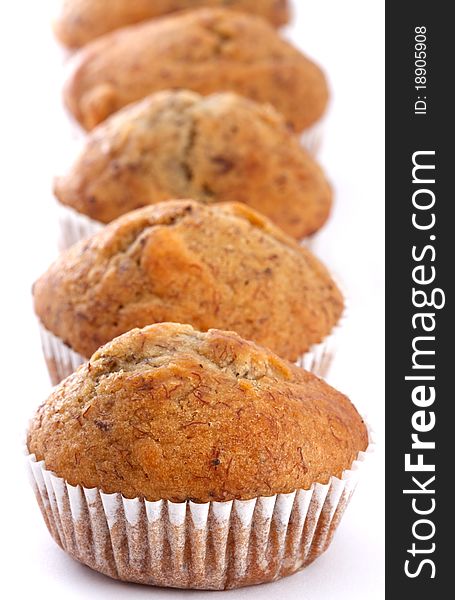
(348, 39)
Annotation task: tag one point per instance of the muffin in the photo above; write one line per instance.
(178, 144)
(81, 21)
(212, 266)
(194, 460)
(206, 51)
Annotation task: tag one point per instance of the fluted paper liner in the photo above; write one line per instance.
(311, 138)
(213, 545)
(74, 226)
(61, 360)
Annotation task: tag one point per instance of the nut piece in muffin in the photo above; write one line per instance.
(212, 266)
(205, 50)
(178, 144)
(170, 413)
(81, 21)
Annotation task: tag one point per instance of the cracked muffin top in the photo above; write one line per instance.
(205, 50)
(178, 144)
(81, 21)
(169, 412)
(219, 266)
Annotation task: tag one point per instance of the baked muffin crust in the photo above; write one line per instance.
(81, 21)
(222, 266)
(205, 50)
(169, 412)
(178, 144)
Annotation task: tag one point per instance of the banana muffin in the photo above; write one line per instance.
(222, 266)
(206, 51)
(204, 421)
(178, 144)
(81, 21)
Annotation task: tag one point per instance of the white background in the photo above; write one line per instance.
(348, 39)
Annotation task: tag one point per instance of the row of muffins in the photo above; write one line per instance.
(209, 146)
(179, 453)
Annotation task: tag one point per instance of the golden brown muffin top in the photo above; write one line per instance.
(217, 148)
(206, 50)
(169, 412)
(80, 21)
(219, 266)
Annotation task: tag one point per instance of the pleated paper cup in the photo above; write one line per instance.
(74, 226)
(312, 137)
(62, 361)
(319, 358)
(213, 545)
(309, 242)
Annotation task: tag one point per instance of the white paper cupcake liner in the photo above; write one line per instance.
(309, 242)
(62, 361)
(319, 358)
(74, 226)
(312, 138)
(213, 545)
